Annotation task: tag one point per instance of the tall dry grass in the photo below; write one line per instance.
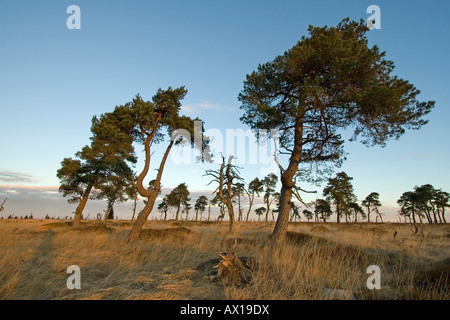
(173, 260)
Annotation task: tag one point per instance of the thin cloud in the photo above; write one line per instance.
(197, 107)
(16, 177)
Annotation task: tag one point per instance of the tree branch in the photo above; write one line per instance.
(1, 206)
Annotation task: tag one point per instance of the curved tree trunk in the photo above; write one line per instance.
(105, 217)
(142, 217)
(250, 206)
(81, 206)
(134, 207)
(152, 193)
(279, 232)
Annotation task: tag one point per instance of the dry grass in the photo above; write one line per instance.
(173, 260)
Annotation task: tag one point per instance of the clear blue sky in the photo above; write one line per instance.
(53, 80)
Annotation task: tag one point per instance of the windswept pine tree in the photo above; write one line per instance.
(98, 166)
(329, 81)
(163, 207)
(148, 123)
(269, 183)
(255, 187)
(425, 202)
(339, 191)
(200, 206)
(322, 209)
(178, 198)
(371, 203)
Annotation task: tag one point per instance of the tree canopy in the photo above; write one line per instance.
(329, 81)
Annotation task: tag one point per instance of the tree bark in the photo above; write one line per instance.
(81, 206)
(414, 215)
(142, 217)
(178, 212)
(134, 207)
(250, 206)
(151, 193)
(279, 233)
(105, 217)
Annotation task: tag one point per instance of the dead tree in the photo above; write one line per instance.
(1, 205)
(226, 176)
(232, 270)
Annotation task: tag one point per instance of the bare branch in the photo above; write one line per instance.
(1, 206)
(275, 157)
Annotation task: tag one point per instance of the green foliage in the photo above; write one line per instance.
(331, 80)
(323, 208)
(269, 183)
(356, 209)
(179, 197)
(164, 205)
(200, 204)
(308, 214)
(256, 186)
(424, 201)
(340, 191)
(260, 211)
(371, 203)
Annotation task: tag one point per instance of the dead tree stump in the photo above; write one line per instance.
(232, 270)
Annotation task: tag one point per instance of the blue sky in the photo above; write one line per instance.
(53, 80)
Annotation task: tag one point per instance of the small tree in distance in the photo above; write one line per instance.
(178, 198)
(340, 191)
(259, 212)
(371, 203)
(254, 187)
(200, 205)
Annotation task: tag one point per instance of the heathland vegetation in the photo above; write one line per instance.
(328, 82)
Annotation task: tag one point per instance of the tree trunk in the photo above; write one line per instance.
(150, 194)
(239, 208)
(178, 212)
(209, 212)
(231, 216)
(439, 215)
(279, 232)
(142, 218)
(81, 206)
(134, 207)
(434, 216)
(381, 217)
(105, 217)
(250, 206)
